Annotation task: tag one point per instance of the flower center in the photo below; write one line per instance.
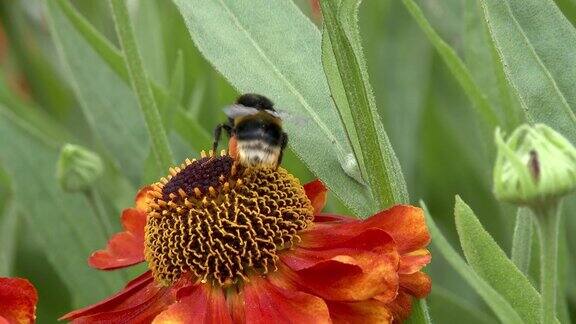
(222, 222)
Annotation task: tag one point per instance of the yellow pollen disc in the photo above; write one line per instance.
(221, 222)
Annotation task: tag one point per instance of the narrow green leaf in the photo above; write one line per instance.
(537, 46)
(106, 100)
(140, 84)
(344, 66)
(400, 60)
(492, 264)
(270, 47)
(194, 133)
(34, 115)
(191, 131)
(481, 58)
(456, 66)
(419, 313)
(522, 240)
(8, 237)
(500, 306)
(449, 307)
(150, 39)
(45, 85)
(64, 223)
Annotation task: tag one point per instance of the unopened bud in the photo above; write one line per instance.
(78, 168)
(535, 165)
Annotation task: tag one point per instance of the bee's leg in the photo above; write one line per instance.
(282, 147)
(218, 132)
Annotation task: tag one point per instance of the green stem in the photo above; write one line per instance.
(95, 202)
(160, 146)
(548, 220)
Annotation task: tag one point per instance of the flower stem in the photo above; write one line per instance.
(95, 202)
(548, 220)
(160, 146)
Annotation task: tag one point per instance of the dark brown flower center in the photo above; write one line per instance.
(222, 222)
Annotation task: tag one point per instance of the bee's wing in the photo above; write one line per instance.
(234, 111)
(290, 118)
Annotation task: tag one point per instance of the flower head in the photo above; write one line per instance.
(18, 300)
(224, 244)
(78, 168)
(535, 165)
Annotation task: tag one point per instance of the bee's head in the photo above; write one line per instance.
(255, 101)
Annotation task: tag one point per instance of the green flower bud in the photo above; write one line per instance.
(536, 165)
(78, 168)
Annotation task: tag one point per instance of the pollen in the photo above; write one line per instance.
(221, 222)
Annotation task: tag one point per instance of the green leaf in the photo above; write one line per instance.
(141, 86)
(64, 223)
(44, 82)
(492, 264)
(32, 114)
(537, 46)
(481, 58)
(419, 313)
(348, 79)
(400, 59)
(522, 240)
(449, 307)
(106, 100)
(193, 132)
(150, 39)
(500, 306)
(273, 49)
(8, 237)
(456, 66)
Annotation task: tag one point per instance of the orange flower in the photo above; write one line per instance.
(18, 300)
(227, 244)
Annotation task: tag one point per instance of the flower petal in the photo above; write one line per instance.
(197, 304)
(265, 303)
(140, 301)
(367, 311)
(124, 248)
(417, 284)
(18, 300)
(348, 269)
(314, 249)
(400, 307)
(316, 192)
(405, 223)
(323, 218)
(141, 200)
(414, 261)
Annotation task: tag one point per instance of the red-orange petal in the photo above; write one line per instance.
(141, 199)
(265, 303)
(197, 304)
(140, 301)
(414, 261)
(316, 192)
(416, 284)
(400, 307)
(18, 300)
(405, 223)
(310, 252)
(367, 311)
(125, 248)
(348, 269)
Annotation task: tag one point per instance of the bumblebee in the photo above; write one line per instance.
(254, 128)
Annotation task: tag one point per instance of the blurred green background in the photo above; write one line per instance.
(55, 89)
